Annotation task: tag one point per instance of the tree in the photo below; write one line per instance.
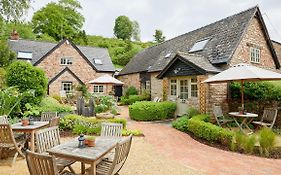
(59, 20)
(136, 31)
(123, 28)
(6, 55)
(159, 36)
(26, 77)
(12, 10)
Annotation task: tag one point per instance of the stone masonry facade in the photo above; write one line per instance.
(131, 80)
(80, 67)
(156, 86)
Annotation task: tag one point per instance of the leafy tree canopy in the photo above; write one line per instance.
(59, 20)
(136, 31)
(158, 36)
(123, 28)
(6, 55)
(12, 10)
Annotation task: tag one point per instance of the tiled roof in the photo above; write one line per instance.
(39, 49)
(224, 36)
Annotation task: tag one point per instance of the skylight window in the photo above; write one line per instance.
(168, 55)
(199, 45)
(97, 61)
(25, 55)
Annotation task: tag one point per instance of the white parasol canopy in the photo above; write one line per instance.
(106, 79)
(243, 72)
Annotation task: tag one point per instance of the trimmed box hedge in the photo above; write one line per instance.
(148, 110)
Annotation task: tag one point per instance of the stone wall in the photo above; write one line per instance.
(254, 36)
(277, 47)
(130, 80)
(156, 86)
(80, 67)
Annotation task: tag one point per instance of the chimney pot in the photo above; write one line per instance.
(14, 35)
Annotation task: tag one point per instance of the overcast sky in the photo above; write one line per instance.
(173, 17)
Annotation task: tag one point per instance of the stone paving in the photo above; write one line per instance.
(182, 148)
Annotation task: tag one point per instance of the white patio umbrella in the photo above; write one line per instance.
(106, 79)
(243, 72)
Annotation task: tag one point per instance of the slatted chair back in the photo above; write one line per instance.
(111, 129)
(217, 111)
(40, 164)
(155, 99)
(269, 116)
(122, 150)
(47, 116)
(47, 138)
(4, 119)
(54, 122)
(6, 135)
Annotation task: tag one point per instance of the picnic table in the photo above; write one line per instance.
(247, 118)
(87, 155)
(18, 127)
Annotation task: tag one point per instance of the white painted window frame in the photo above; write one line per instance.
(66, 83)
(64, 61)
(178, 86)
(255, 55)
(98, 87)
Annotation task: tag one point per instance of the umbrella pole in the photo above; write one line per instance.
(242, 93)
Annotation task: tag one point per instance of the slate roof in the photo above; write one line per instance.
(224, 37)
(39, 49)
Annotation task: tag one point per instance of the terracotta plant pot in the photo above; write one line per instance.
(86, 142)
(25, 122)
(91, 143)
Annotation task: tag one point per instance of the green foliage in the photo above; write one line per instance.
(147, 110)
(51, 104)
(123, 28)
(158, 36)
(208, 131)
(266, 140)
(131, 91)
(6, 55)
(12, 10)
(63, 20)
(133, 98)
(104, 103)
(134, 132)
(9, 100)
(2, 78)
(191, 112)
(79, 124)
(181, 123)
(27, 77)
(136, 31)
(31, 111)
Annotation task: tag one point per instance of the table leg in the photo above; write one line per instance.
(32, 141)
(237, 123)
(93, 169)
(82, 168)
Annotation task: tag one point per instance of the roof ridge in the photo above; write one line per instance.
(236, 14)
(39, 41)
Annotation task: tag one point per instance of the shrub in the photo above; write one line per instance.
(104, 103)
(27, 77)
(9, 100)
(181, 124)
(134, 132)
(133, 98)
(192, 112)
(131, 91)
(147, 110)
(266, 140)
(51, 104)
(249, 144)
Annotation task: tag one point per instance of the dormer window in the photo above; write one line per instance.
(25, 55)
(66, 61)
(255, 54)
(97, 61)
(199, 45)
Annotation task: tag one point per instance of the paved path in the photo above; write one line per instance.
(187, 151)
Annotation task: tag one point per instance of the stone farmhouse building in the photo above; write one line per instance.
(174, 69)
(66, 65)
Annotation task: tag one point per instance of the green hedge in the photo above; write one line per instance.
(79, 124)
(209, 131)
(132, 99)
(147, 110)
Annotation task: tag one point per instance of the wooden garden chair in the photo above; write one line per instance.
(8, 142)
(54, 122)
(111, 130)
(220, 118)
(107, 167)
(42, 164)
(268, 119)
(48, 138)
(4, 119)
(47, 116)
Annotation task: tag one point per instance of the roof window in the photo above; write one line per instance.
(25, 55)
(199, 45)
(97, 61)
(168, 55)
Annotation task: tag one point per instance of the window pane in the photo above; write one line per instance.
(183, 89)
(100, 88)
(194, 90)
(173, 87)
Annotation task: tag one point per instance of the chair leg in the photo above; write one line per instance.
(71, 169)
(15, 158)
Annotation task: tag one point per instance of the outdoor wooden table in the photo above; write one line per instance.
(247, 118)
(30, 129)
(87, 155)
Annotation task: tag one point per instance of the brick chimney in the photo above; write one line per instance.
(14, 35)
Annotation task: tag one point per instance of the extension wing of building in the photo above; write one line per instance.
(174, 69)
(66, 65)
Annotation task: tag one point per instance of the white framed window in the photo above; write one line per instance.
(97, 61)
(25, 55)
(199, 45)
(66, 61)
(98, 89)
(194, 88)
(66, 87)
(147, 85)
(173, 87)
(183, 94)
(255, 54)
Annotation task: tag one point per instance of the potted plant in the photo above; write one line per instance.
(90, 141)
(24, 121)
